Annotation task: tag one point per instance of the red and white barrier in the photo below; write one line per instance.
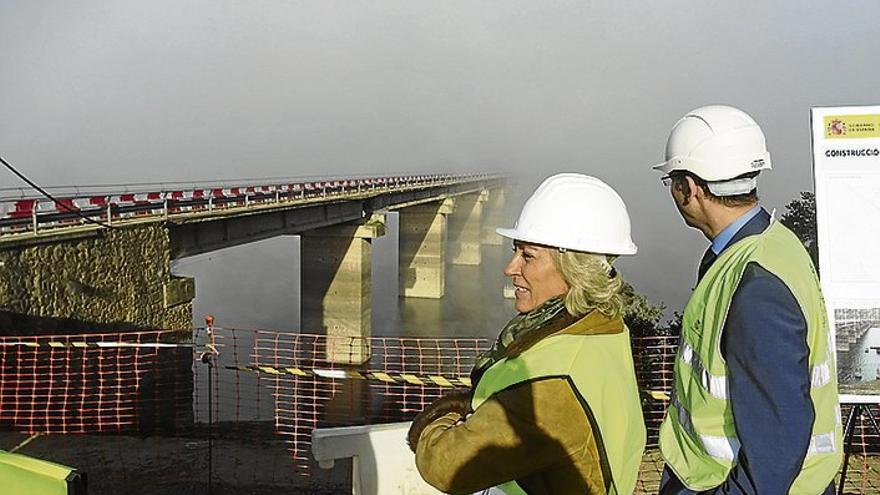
(15, 212)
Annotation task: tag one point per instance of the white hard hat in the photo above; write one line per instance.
(717, 143)
(577, 212)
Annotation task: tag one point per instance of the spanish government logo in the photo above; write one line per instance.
(852, 126)
(836, 128)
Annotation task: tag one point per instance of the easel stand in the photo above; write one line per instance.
(860, 406)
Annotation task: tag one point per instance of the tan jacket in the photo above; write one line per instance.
(537, 433)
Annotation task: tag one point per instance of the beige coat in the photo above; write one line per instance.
(537, 433)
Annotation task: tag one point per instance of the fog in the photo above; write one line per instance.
(98, 92)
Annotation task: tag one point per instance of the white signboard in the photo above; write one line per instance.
(846, 159)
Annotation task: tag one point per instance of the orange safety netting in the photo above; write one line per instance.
(94, 383)
(268, 391)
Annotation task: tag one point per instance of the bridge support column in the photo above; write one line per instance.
(422, 249)
(493, 217)
(465, 229)
(336, 287)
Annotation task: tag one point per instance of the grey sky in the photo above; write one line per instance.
(123, 91)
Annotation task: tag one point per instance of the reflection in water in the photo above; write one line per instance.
(258, 286)
(858, 345)
(473, 306)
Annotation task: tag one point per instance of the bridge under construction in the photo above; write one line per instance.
(85, 259)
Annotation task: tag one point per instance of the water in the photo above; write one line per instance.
(257, 286)
(862, 362)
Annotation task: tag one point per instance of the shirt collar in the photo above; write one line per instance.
(720, 241)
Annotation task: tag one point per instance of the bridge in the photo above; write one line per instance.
(87, 259)
(852, 324)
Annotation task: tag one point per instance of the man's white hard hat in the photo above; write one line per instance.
(717, 143)
(576, 212)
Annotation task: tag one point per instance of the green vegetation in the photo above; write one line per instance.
(645, 318)
(800, 217)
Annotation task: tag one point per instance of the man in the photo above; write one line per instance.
(754, 408)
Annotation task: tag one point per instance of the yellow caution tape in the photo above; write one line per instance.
(439, 380)
(295, 371)
(385, 377)
(412, 379)
(345, 374)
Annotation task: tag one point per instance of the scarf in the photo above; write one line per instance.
(521, 333)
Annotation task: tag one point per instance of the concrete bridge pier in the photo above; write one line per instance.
(465, 228)
(493, 217)
(422, 249)
(336, 287)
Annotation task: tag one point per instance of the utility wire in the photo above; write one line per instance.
(42, 191)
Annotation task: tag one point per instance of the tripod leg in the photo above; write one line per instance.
(847, 441)
(872, 419)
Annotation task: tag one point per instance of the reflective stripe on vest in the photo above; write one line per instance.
(727, 448)
(698, 436)
(820, 374)
(724, 448)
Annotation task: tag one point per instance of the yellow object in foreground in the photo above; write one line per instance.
(20, 474)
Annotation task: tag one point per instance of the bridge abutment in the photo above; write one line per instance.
(104, 281)
(336, 287)
(422, 249)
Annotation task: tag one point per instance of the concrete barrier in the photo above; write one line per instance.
(382, 464)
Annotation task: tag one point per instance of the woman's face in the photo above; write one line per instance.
(535, 276)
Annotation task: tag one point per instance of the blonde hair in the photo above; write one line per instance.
(593, 283)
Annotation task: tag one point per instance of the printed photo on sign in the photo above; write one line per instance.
(846, 161)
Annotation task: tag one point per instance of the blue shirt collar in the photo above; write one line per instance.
(720, 241)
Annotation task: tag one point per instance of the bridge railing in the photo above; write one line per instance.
(22, 210)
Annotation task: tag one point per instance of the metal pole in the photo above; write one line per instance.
(210, 425)
(847, 441)
(208, 358)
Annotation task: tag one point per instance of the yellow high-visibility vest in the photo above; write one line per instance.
(698, 438)
(601, 369)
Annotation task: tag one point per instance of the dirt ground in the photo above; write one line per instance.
(164, 466)
(863, 475)
(179, 465)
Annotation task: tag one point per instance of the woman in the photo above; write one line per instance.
(554, 406)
